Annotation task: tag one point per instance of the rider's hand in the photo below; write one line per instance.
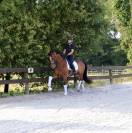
(64, 55)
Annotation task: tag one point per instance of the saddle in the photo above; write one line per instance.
(75, 65)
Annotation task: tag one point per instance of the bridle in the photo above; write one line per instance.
(52, 63)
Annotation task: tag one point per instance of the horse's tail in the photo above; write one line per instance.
(85, 77)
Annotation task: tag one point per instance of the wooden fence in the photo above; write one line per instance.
(26, 71)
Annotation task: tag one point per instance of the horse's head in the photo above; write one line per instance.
(52, 58)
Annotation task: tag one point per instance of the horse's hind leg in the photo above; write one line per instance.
(49, 83)
(83, 88)
(79, 85)
(79, 82)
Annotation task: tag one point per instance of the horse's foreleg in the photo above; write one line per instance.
(65, 84)
(49, 83)
(65, 89)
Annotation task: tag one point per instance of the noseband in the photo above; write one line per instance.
(52, 65)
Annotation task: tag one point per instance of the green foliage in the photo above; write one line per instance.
(123, 11)
(19, 26)
(123, 21)
(29, 29)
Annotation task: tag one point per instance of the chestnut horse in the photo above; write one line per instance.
(59, 65)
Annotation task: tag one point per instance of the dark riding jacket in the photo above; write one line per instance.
(69, 47)
(70, 58)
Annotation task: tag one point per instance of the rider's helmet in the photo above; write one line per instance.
(70, 40)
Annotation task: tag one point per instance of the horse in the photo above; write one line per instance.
(61, 71)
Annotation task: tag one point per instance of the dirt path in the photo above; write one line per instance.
(101, 110)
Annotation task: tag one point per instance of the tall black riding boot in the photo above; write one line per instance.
(73, 69)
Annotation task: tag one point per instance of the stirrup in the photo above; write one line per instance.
(72, 73)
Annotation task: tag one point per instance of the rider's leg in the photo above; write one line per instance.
(70, 61)
(72, 67)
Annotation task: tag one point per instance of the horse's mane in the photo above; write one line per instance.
(57, 52)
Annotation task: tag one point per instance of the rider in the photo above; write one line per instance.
(69, 51)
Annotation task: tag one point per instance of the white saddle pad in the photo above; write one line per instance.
(75, 65)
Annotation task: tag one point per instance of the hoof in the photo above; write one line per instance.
(65, 94)
(49, 89)
(78, 90)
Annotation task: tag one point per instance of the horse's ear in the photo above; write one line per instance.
(49, 54)
(58, 52)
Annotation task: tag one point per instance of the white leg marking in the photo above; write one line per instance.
(83, 88)
(49, 83)
(79, 84)
(65, 90)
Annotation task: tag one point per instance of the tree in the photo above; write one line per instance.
(123, 20)
(18, 45)
(29, 29)
(19, 27)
